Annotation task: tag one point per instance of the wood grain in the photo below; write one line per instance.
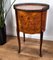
(29, 50)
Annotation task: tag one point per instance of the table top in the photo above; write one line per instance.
(31, 7)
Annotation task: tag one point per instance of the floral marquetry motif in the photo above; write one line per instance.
(30, 22)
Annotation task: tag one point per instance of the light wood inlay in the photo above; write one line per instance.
(30, 7)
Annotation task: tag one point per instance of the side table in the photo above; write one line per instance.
(31, 19)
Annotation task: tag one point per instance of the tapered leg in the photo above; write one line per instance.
(41, 40)
(18, 36)
(24, 36)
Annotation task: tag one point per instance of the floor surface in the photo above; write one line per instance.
(29, 50)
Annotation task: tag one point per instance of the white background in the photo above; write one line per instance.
(11, 21)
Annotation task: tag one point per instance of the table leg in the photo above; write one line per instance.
(41, 40)
(19, 45)
(24, 36)
(18, 36)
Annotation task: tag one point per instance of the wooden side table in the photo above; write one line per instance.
(31, 19)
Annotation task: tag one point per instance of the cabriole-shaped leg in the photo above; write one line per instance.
(41, 40)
